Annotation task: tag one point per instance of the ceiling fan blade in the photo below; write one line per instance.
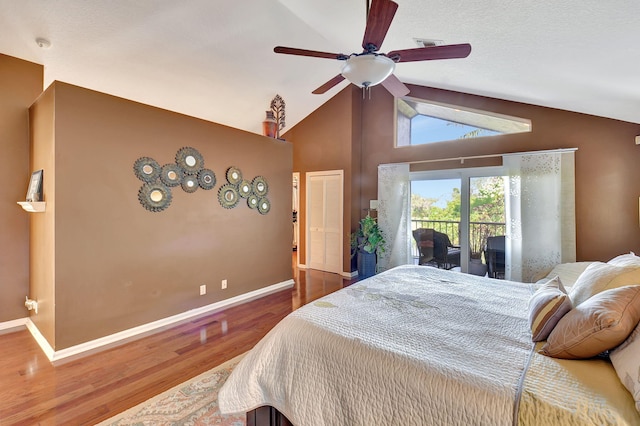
(395, 86)
(450, 51)
(378, 22)
(328, 85)
(312, 53)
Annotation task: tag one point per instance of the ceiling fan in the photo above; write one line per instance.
(370, 67)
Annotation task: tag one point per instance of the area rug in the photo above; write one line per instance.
(192, 403)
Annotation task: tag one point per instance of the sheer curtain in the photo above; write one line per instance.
(540, 204)
(394, 214)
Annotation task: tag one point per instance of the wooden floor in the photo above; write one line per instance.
(93, 388)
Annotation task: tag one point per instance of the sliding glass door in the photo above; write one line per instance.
(455, 215)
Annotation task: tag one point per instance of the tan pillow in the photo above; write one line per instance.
(601, 276)
(549, 303)
(599, 324)
(629, 259)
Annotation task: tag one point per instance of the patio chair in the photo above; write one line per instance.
(495, 256)
(435, 248)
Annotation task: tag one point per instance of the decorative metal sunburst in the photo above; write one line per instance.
(154, 197)
(206, 179)
(234, 175)
(146, 169)
(190, 183)
(245, 188)
(252, 201)
(228, 196)
(260, 186)
(190, 160)
(171, 175)
(264, 205)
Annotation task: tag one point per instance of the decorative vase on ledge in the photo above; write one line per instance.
(269, 125)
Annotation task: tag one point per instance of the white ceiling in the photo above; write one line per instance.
(214, 59)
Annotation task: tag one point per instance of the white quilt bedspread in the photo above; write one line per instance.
(414, 345)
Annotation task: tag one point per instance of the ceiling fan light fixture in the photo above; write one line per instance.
(368, 69)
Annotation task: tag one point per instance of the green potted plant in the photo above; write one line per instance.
(370, 243)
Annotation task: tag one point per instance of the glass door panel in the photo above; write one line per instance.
(435, 222)
(487, 226)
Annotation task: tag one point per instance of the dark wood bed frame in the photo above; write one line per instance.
(267, 416)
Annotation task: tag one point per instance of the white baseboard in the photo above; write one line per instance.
(352, 274)
(125, 336)
(13, 325)
(343, 273)
(40, 339)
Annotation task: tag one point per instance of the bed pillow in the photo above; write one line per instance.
(626, 361)
(568, 272)
(549, 303)
(629, 259)
(599, 276)
(597, 325)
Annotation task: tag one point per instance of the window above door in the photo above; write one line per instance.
(421, 122)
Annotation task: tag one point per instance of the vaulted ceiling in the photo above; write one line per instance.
(214, 59)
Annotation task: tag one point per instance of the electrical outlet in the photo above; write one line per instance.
(203, 289)
(224, 284)
(638, 140)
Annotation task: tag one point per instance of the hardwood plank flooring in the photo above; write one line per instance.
(93, 388)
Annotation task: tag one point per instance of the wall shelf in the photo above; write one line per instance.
(33, 206)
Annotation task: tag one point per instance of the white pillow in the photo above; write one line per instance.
(599, 276)
(629, 259)
(568, 272)
(626, 361)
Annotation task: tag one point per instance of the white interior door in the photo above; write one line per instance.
(324, 220)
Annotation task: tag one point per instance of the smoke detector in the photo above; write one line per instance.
(428, 42)
(43, 43)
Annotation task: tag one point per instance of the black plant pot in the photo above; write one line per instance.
(366, 264)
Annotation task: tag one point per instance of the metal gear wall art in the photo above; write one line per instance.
(228, 196)
(190, 160)
(154, 197)
(171, 174)
(255, 191)
(189, 173)
(146, 169)
(190, 183)
(206, 179)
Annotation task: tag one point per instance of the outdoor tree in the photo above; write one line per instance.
(486, 200)
(421, 206)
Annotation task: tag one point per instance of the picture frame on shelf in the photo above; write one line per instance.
(34, 192)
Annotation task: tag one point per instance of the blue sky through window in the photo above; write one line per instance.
(425, 129)
(440, 189)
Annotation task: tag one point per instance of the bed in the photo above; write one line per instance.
(422, 346)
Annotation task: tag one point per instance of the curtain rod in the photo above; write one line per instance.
(473, 157)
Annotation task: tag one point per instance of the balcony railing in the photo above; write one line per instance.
(478, 231)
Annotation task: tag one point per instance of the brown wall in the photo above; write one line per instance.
(325, 141)
(117, 265)
(42, 225)
(607, 172)
(20, 85)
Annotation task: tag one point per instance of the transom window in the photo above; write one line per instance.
(421, 122)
